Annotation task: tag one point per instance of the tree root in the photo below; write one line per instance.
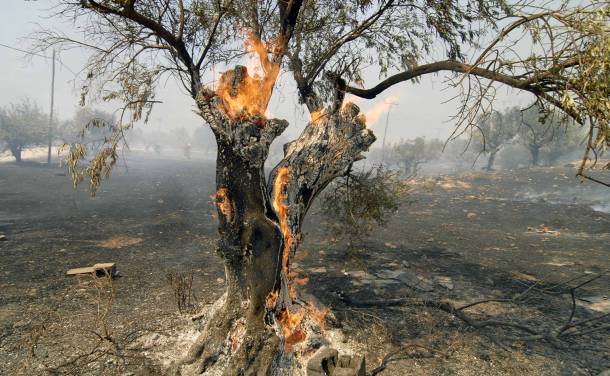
(231, 345)
(256, 354)
(208, 346)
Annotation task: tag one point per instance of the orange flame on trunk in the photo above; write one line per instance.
(292, 318)
(317, 116)
(280, 207)
(251, 96)
(224, 203)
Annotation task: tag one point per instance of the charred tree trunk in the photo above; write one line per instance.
(240, 334)
(260, 226)
(16, 151)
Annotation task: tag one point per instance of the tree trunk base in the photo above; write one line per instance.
(229, 346)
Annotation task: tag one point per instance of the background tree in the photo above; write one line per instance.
(324, 46)
(411, 154)
(89, 126)
(540, 130)
(495, 131)
(23, 125)
(566, 141)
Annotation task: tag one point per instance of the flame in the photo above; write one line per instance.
(224, 203)
(271, 300)
(253, 93)
(317, 116)
(318, 315)
(280, 207)
(291, 327)
(291, 319)
(373, 114)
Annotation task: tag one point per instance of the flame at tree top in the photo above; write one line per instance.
(250, 95)
(373, 114)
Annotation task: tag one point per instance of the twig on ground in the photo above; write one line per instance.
(553, 335)
(400, 355)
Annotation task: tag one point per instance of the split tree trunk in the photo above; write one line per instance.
(260, 226)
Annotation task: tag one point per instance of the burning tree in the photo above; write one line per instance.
(324, 46)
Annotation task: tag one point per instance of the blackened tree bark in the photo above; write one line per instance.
(260, 224)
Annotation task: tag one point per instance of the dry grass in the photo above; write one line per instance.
(119, 242)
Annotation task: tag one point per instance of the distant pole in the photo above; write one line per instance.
(51, 112)
(385, 132)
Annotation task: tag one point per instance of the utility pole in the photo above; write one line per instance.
(385, 132)
(51, 112)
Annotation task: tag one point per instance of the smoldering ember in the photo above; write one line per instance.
(302, 187)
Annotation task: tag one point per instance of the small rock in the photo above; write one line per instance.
(357, 274)
(445, 282)
(323, 362)
(220, 280)
(350, 366)
(471, 215)
(389, 274)
(3, 238)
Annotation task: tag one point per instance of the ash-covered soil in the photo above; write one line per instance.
(508, 235)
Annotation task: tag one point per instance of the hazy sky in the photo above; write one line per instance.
(420, 110)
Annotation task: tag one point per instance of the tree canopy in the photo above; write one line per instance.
(559, 52)
(23, 125)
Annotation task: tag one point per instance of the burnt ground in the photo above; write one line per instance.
(455, 239)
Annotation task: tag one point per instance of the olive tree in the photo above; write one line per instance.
(495, 131)
(411, 154)
(324, 48)
(23, 125)
(542, 130)
(88, 126)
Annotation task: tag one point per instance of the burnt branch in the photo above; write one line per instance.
(404, 353)
(325, 150)
(556, 335)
